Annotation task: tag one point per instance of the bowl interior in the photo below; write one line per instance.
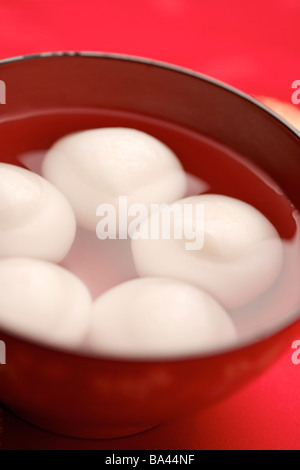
(201, 120)
(204, 122)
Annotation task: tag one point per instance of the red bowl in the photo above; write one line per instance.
(92, 397)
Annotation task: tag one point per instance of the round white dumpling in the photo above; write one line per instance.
(98, 166)
(154, 317)
(36, 220)
(239, 258)
(43, 302)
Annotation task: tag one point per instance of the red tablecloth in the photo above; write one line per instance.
(251, 45)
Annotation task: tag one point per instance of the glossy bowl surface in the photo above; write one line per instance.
(91, 397)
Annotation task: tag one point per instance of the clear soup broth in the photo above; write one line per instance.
(211, 168)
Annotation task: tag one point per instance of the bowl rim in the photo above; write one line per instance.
(155, 63)
(248, 342)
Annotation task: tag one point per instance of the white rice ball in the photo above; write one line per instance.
(44, 302)
(97, 166)
(240, 258)
(152, 317)
(36, 220)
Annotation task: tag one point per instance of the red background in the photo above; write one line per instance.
(251, 45)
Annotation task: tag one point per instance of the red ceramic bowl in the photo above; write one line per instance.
(92, 397)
